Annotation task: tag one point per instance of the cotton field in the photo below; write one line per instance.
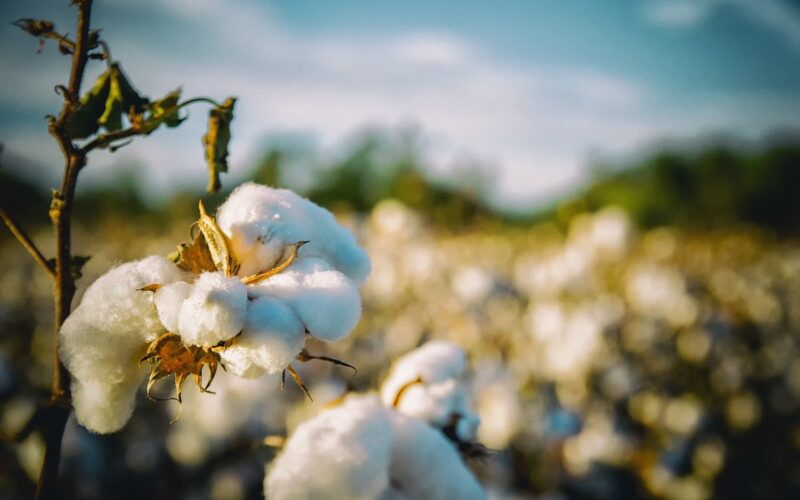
(599, 358)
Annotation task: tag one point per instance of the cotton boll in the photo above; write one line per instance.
(434, 362)
(344, 452)
(434, 404)
(102, 339)
(262, 222)
(168, 300)
(426, 465)
(430, 379)
(214, 311)
(271, 338)
(325, 300)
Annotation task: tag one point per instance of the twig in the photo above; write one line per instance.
(107, 138)
(26, 242)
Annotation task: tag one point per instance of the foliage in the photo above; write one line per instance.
(714, 187)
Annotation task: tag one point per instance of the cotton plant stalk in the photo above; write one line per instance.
(272, 270)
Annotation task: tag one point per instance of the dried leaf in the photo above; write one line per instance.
(83, 121)
(164, 110)
(35, 27)
(216, 142)
(77, 263)
(122, 98)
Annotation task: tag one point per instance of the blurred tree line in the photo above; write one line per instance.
(716, 186)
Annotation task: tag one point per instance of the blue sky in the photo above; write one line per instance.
(535, 90)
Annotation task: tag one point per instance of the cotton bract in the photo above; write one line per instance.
(243, 294)
(363, 450)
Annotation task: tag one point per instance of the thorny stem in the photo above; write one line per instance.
(64, 288)
(26, 242)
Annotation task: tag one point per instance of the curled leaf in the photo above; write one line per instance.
(164, 110)
(83, 121)
(122, 98)
(35, 27)
(216, 142)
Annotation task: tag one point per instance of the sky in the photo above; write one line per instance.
(535, 91)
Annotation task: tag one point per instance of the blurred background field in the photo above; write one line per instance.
(600, 201)
(637, 339)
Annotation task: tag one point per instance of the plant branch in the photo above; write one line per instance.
(26, 242)
(107, 138)
(64, 287)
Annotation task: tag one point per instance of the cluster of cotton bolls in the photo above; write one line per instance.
(387, 447)
(251, 327)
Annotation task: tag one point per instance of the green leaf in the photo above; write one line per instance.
(83, 121)
(216, 142)
(164, 110)
(122, 98)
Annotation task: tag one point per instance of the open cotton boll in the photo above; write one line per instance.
(433, 389)
(434, 362)
(434, 403)
(271, 338)
(343, 452)
(214, 311)
(325, 300)
(168, 300)
(426, 465)
(363, 450)
(262, 221)
(104, 336)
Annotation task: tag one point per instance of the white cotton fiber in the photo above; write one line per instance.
(168, 300)
(362, 450)
(343, 452)
(262, 222)
(106, 406)
(436, 361)
(441, 396)
(214, 311)
(271, 338)
(325, 300)
(426, 465)
(102, 339)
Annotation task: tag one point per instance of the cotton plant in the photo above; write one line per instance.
(270, 271)
(409, 441)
